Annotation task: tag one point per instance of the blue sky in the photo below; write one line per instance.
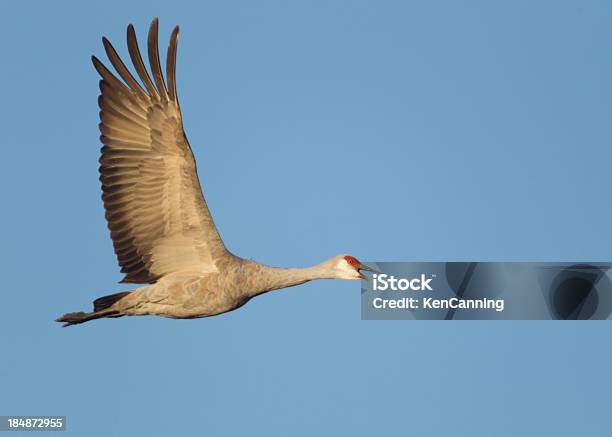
(393, 131)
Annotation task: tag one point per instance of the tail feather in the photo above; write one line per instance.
(102, 308)
(80, 317)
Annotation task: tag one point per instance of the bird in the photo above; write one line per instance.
(162, 231)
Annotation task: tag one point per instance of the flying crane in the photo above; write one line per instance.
(161, 228)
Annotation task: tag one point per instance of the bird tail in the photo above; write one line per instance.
(70, 319)
(102, 308)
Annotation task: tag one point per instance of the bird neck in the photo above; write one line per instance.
(272, 278)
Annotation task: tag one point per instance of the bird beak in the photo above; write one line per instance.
(367, 269)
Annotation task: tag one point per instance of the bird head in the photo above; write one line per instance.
(348, 267)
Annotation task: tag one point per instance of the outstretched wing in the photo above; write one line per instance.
(155, 209)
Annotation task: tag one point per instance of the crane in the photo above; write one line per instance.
(162, 230)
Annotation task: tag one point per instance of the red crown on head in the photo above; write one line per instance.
(352, 261)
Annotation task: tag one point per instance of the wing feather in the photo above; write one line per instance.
(121, 68)
(137, 61)
(154, 59)
(156, 213)
(171, 64)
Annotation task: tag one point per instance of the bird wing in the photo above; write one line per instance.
(156, 213)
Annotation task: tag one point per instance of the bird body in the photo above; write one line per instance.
(162, 230)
